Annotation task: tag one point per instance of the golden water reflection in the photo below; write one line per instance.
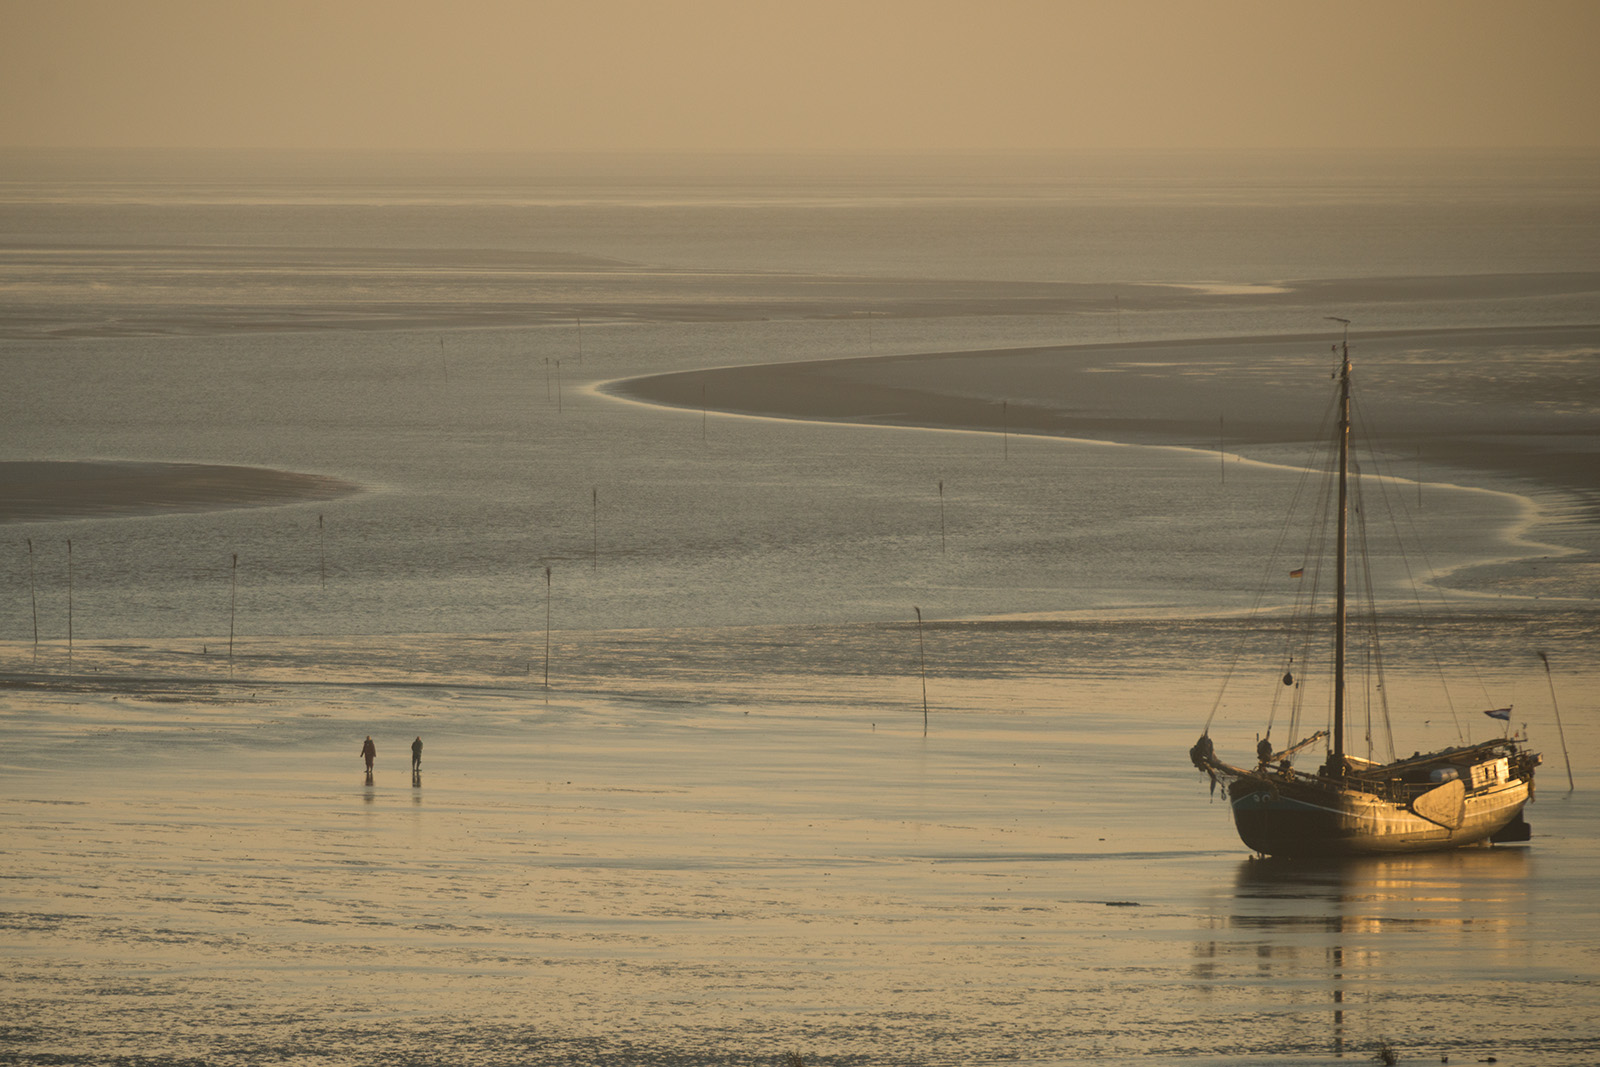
(1356, 940)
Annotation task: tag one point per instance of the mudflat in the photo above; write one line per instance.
(32, 491)
(1511, 401)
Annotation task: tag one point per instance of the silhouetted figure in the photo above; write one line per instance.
(416, 754)
(368, 751)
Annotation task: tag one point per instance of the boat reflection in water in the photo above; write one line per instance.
(1422, 952)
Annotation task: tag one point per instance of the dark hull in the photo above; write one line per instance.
(1319, 817)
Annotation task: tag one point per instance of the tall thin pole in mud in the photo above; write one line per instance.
(1559, 731)
(69, 603)
(322, 555)
(702, 411)
(547, 634)
(233, 602)
(558, 387)
(1118, 301)
(922, 662)
(594, 529)
(33, 596)
(941, 516)
(1222, 451)
(1005, 431)
(444, 364)
(547, 379)
(580, 338)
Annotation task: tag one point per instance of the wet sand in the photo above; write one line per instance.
(717, 845)
(1466, 399)
(43, 490)
(693, 866)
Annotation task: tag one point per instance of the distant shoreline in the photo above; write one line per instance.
(610, 290)
(47, 490)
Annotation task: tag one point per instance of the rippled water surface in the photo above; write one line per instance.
(697, 788)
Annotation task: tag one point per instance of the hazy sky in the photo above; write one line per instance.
(799, 75)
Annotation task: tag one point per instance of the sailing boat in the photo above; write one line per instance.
(1456, 796)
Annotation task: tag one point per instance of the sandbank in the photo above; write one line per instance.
(1472, 399)
(42, 490)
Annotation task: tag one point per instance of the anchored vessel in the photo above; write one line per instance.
(1439, 800)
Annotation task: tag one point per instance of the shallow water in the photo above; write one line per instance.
(721, 832)
(700, 867)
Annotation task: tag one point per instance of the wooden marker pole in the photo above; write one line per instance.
(547, 635)
(1559, 731)
(69, 603)
(922, 662)
(33, 596)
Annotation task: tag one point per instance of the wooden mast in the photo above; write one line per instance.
(1341, 562)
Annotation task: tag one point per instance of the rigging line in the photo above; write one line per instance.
(1303, 628)
(1379, 659)
(1357, 623)
(1303, 633)
(1255, 607)
(1362, 619)
(1295, 656)
(1386, 498)
(1374, 636)
(1430, 641)
(1274, 557)
(1300, 634)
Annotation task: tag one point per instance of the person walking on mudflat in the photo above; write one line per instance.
(416, 754)
(368, 751)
